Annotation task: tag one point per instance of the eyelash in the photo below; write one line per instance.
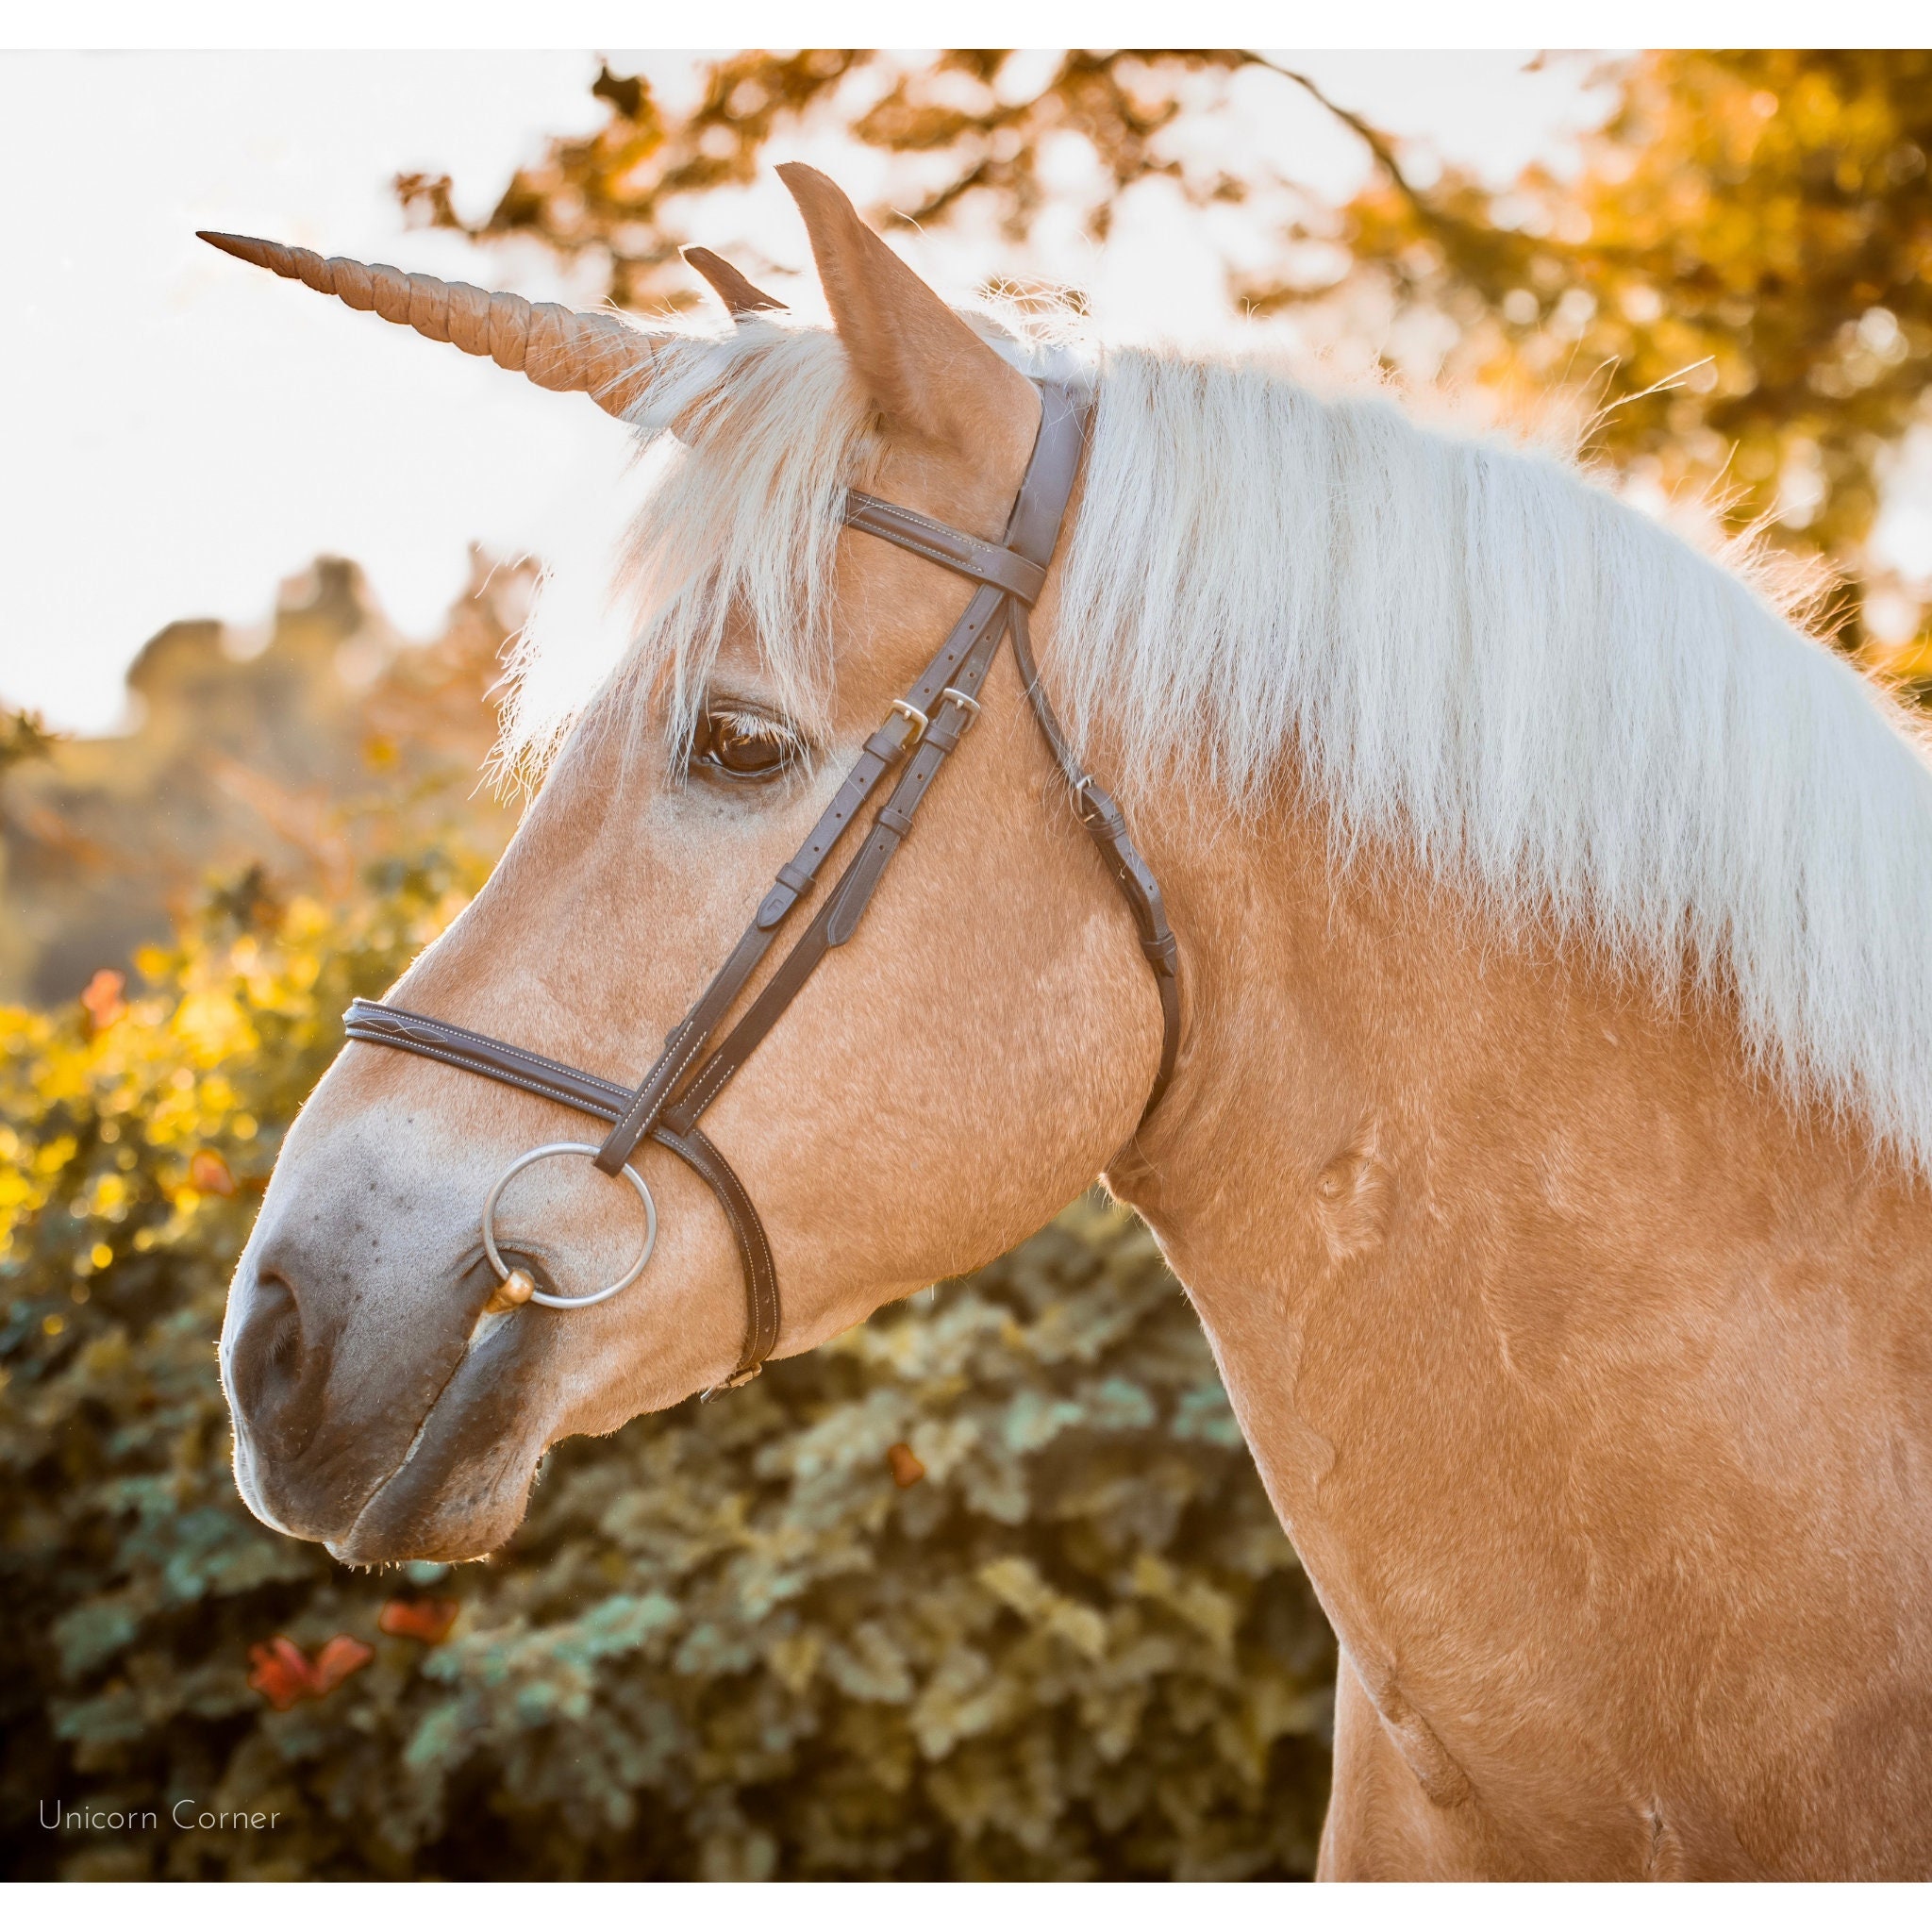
(719, 724)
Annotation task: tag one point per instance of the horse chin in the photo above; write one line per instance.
(402, 1526)
(453, 1489)
(461, 1491)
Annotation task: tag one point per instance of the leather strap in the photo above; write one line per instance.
(794, 878)
(928, 724)
(837, 920)
(1019, 576)
(1106, 825)
(958, 671)
(377, 1024)
(1032, 531)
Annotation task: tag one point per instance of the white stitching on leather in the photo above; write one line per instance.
(452, 1057)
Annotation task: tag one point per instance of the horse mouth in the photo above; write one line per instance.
(459, 1489)
(356, 1476)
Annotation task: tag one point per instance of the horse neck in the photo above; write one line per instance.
(1513, 1273)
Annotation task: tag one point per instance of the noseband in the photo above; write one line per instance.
(922, 731)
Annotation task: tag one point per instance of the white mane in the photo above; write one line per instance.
(1458, 647)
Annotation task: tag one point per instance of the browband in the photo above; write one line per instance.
(921, 733)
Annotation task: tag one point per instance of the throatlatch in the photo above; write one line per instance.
(925, 727)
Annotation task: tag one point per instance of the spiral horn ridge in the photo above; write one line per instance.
(557, 348)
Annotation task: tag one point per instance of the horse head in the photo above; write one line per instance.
(930, 1095)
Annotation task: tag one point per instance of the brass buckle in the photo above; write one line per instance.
(738, 1381)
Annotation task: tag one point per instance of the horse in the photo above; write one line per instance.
(1547, 1141)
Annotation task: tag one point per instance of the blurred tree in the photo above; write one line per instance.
(302, 752)
(1747, 251)
(980, 118)
(24, 736)
(1741, 269)
(610, 192)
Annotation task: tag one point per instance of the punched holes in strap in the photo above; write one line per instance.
(885, 748)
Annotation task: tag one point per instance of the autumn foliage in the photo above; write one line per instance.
(284, 1673)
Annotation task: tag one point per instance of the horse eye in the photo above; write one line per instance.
(742, 744)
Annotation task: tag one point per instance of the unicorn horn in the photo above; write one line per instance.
(557, 348)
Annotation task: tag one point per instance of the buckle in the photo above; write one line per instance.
(1095, 807)
(737, 1381)
(914, 717)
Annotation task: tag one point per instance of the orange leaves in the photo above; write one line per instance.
(285, 1675)
(103, 999)
(340, 1657)
(207, 1174)
(906, 1467)
(426, 1619)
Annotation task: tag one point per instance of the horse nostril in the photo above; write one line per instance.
(276, 1379)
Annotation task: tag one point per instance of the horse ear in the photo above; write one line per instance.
(931, 377)
(739, 295)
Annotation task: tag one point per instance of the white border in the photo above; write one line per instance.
(395, 24)
(1122, 1908)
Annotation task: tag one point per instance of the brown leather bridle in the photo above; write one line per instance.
(925, 727)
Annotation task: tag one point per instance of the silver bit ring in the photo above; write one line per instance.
(531, 1159)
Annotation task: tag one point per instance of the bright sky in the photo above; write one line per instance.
(184, 432)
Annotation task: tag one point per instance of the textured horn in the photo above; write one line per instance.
(556, 347)
(730, 288)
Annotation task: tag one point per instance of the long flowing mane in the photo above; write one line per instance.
(1460, 648)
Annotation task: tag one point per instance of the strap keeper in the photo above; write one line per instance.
(894, 821)
(790, 885)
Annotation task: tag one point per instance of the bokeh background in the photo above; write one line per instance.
(988, 1588)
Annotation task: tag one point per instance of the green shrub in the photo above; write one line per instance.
(986, 1588)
